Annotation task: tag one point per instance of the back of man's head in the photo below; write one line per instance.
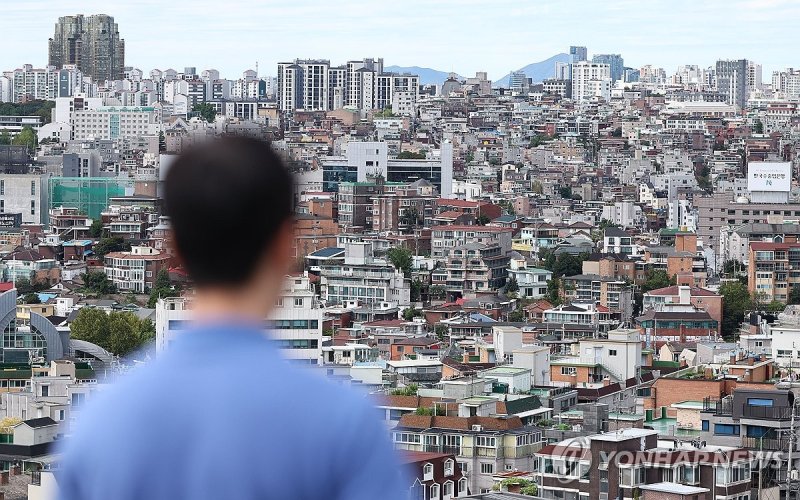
(228, 199)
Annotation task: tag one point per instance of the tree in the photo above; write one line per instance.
(162, 142)
(206, 111)
(483, 219)
(162, 289)
(568, 265)
(617, 132)
(655, 279)
(736, 300)
(5, 138)
(441, 330)
(516, 316)
(511, 285)
(758, 127)
(31, 298)
(437, 291)
(112, 244)
(411, 313)
(409, 390)
(98, 283)
(554, 291)
(96, 229)
(410, 155)
(416, 290)
(565, 192)
(118, 332)
(26, 137)
(794, 295)
(422, 410)
(401, 258)
(536, 187)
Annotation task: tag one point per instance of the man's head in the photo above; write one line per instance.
(230, 205)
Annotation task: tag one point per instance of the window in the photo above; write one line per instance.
(568, 370)
(434, 490)
(704, 424)
(485, 442)
(427, 472)
(726, 430)
(447, 488)
(33, 207)
(464, 466)
(487, 468)
(509, 467)
(462, 486)
(405, 437)
(60, 415)
(298, 302)
(45, 391)
(732, 474)
(689, 474)
(448, 468)
(33, 188)
(759, 402)
(612, 352)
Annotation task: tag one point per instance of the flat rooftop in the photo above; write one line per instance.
(623, 435)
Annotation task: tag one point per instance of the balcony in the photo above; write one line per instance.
(772, 444)
(718, 407)
(767, 412)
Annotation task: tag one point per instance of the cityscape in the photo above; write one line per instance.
(578, 281)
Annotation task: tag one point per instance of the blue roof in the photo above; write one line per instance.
(481, 318)
(78, 243)
(327, 252)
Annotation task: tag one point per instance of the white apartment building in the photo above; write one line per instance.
(681, 214)
(109, 122)
(296, 321)
(27, 194)
(590, 80)
(304, 85)
(295, 324)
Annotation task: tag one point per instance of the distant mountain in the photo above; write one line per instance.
(427, 76)
(537, 71)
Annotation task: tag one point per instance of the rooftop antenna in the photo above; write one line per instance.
(256, 69)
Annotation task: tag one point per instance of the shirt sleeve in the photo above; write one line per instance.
(373, 469)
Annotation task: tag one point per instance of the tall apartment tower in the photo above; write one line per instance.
(578, 54)
(732, 81)
(614, 61)
(92, 44)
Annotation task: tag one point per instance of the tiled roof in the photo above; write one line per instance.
(694, 291)
(412, 421)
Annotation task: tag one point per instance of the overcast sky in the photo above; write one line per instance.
(449, 35)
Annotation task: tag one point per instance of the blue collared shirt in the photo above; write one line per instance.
(222, 416)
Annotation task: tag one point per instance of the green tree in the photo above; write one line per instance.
(117, 332)
(409, 390)
(517, 316)
(441, 330)
(206, 111)
(416, 290)
(31, 298)
(98, 283)
(617, 132)
(162, 289)
(565, 192)
(112, 244)
(410, 155)
(554, 291)
(567, 265)
(422, 410)
(26, 137)
(437, 291)
(401, 258)
(5, 138)
(511, 285)
(655, 279)
(758, 127)
(162, 142)
(96, 229)
(736, 300)
(536, 187)
(794, 295)
(482, 220)
(410, 313)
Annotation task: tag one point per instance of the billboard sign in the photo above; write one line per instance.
(769, 176)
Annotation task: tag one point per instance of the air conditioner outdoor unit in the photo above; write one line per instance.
(477, 428)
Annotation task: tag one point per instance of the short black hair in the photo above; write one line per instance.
(227, 199)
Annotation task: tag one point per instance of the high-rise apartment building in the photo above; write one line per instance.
(732, 81)
(591, 80)
(614, 61)
(578, 54)
(313, 85)
(91, 43)
(754, 75)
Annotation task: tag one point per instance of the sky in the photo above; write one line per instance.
(463, 36)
